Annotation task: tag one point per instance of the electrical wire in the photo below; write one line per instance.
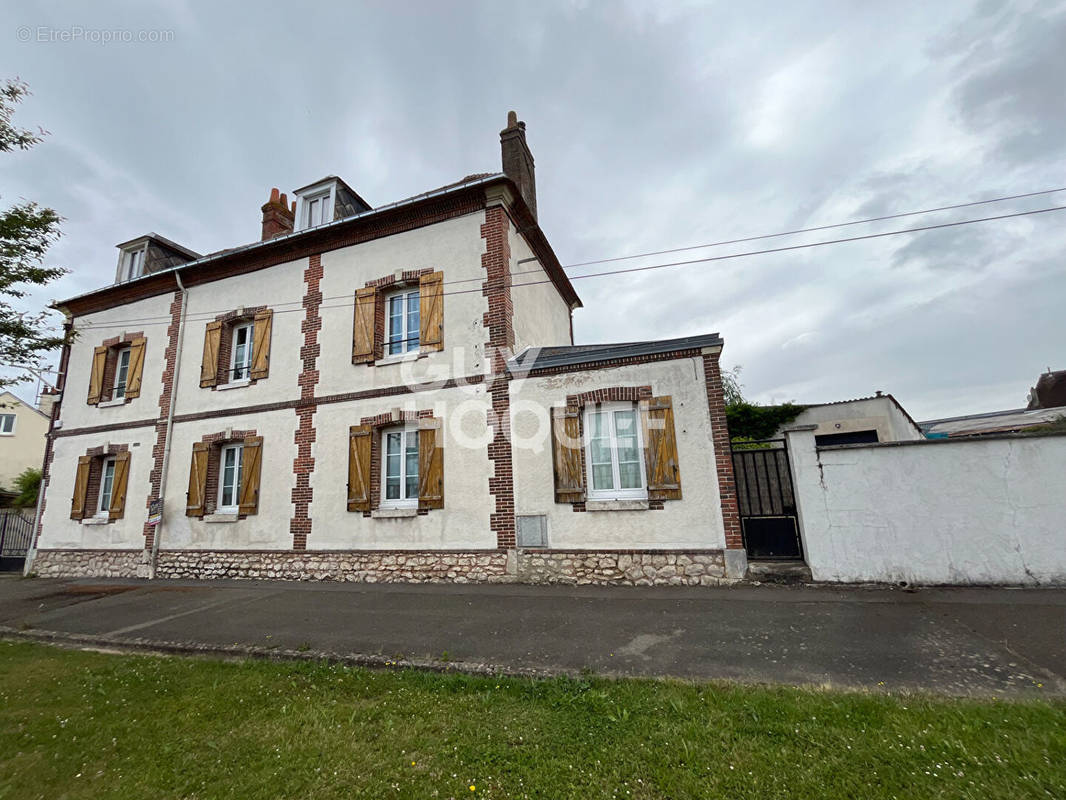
(208, 315)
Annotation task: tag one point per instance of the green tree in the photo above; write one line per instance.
(751, 421)
(27, 484)
(26, 232)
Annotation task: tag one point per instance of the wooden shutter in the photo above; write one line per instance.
(96, 377)
(261, 343)
(566, 455)
(81, 487)
(431, 311)
(118, 486)
(360, 438)
(430, 464)
(660, 449)
(250, 471)
(136, 367)
(209, 366)
(363, 330)
(194, 500)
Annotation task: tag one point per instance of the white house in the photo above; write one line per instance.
(380, 394)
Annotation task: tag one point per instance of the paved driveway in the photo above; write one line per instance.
(958, 641)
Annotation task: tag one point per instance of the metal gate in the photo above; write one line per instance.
(767, 504)
(15, 532)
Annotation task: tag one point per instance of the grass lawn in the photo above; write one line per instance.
(77, 724)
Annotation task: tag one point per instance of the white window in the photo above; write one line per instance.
(318, 209)
(230, 469)
(122, 369)
(107, 481)
(241, 355)
(132, 264)
(399, 467)
(7, 424)
(614, 452)
(401, 322)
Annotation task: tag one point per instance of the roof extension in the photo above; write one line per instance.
(538, 358)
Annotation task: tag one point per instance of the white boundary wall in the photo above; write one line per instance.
(962, 511)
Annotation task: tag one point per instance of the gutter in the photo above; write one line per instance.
(158, 533)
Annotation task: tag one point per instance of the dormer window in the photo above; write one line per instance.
(324, 201)
(318, 209)
(131, 264)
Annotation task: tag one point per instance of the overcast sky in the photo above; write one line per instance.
(654, 125)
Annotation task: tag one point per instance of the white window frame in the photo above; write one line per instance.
(615, 493)
(14, 422)
(246, 367)
(235, 506)
(118, 391)
(325, 192)
(401, 502)
(129, 261)
(409, 347)
(103, 508)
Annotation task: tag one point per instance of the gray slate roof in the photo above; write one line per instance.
(569, 355)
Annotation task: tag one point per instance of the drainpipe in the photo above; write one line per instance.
(170, 425)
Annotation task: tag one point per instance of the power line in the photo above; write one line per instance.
(208, 315)
(817, 228)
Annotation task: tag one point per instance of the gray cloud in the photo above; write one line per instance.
(653, 126)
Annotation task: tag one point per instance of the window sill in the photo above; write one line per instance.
(394, 513)
(96, 519)
(118, 401)
(616, 505)
(8, 434)
(233, 384)
(401, 359)
(223, 517)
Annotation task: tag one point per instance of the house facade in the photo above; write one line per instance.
(380, 394)
(22, 438)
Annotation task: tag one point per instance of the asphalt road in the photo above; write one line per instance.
(966, 641)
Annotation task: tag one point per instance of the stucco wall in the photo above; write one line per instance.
(463, 523)
(60, 531)
(985, 511)
(24, 447)
(453, 247)
(875, 413)
(152, 317)
(695, 522)
(281, 288)
(541, 317)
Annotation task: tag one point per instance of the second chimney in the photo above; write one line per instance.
(518, 161)
(278, 217)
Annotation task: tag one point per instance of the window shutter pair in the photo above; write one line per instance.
(261, 331)
(133, 372)
(118, 487)
(248, 492)
(366, 347)
(430, 465)
(660, 451)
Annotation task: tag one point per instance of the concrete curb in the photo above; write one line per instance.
(239, 652)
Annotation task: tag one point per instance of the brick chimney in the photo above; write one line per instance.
(518, 161)
(47, 401)
(278, 217)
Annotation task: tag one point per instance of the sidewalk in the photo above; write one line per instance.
(959, 641)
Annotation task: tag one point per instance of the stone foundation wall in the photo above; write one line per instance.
(94, 563)
(632, 568)
(581, 567)
(368, 566)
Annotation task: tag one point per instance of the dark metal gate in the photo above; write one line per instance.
(15, 531)
(767, 503)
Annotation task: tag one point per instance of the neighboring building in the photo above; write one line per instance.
(879, 418)
(23, 432)
(994, 422)
(1050, 390)
(386, 393)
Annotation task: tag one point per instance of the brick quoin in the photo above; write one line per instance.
(723, 455)
(170, 357)
(498, 321)
(304, 463)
